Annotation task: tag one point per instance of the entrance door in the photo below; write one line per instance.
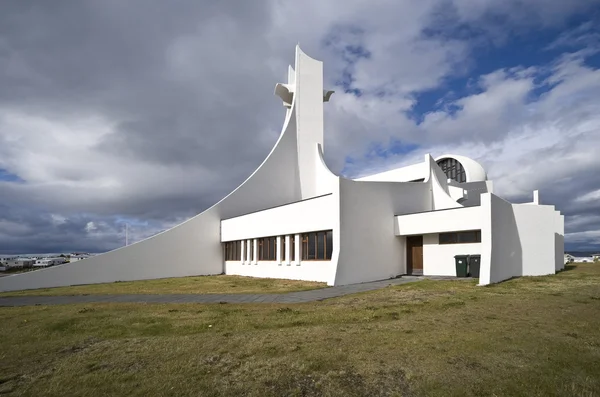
(414, 254)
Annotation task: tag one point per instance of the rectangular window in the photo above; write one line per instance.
(232, 251)
(317, 245)
(282, 248)
(272, 255)
(471, 236)
(328, 244)
(267, 249)
(292, 248)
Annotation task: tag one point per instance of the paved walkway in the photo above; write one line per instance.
(291, 297)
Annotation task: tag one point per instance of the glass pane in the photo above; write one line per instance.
(304, 247)
(466, 237)
(312, 245)
(292, 248)
(446, 238)
(320, 245)
(272, 248)
(329, 245)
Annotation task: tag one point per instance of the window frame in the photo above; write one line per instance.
(292, 247)
(455, 237)
(305, 240)
(232, 251)
(267, 248)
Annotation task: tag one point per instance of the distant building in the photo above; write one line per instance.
(45, 262)
(19, 262)
(78, 257)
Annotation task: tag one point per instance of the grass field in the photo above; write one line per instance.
(221, 284)
(524, 337)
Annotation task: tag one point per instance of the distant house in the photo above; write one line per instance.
(45, 262)
(583, 259)
(19, 262)
(4, 259)
(78, 257)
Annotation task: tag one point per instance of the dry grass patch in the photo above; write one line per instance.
(221, 284)
(432, 338)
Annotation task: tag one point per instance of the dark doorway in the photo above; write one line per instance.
(414, 255)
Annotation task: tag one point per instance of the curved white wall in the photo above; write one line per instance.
(191, 248)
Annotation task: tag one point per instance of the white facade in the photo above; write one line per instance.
(293, 218)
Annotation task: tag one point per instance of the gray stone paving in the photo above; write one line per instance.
(291, 297)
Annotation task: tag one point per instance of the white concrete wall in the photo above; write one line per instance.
(369, 249)
(309, 120)
(559, 242)
(438, 260)
(305, 270)
(456, 219)
(501, 246)
(304, 216)
(537, 229)
(311, 215)
(523, 240)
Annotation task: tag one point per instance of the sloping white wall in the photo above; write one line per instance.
(438, 260)
(191, 248)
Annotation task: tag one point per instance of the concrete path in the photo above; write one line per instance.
(291, 297)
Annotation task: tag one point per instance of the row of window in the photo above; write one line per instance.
(453, 169)
(471, 236)
(313, 246)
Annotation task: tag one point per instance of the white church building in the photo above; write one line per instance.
(295, 219)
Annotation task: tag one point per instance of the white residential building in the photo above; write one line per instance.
(293, 218)
(46, 262)
(19, 262)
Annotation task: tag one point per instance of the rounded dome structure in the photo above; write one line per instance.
(461, 169)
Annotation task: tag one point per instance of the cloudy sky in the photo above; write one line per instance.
(148, 112)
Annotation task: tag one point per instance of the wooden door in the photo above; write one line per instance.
(414, 255)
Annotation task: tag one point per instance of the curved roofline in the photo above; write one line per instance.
(473, 170)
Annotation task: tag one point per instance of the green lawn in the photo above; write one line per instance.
(181, 285)
(524, 337)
